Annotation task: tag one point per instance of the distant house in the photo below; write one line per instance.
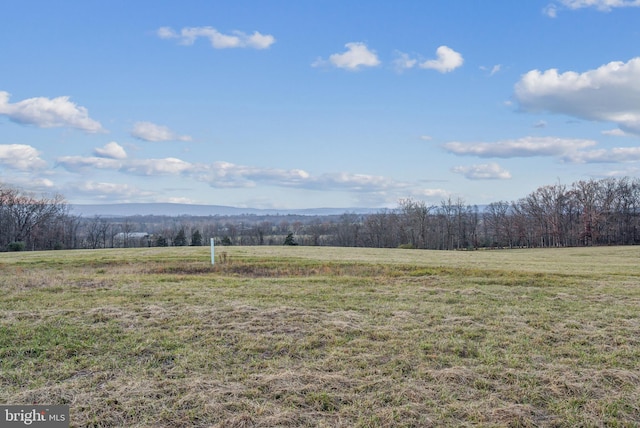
(132, 239)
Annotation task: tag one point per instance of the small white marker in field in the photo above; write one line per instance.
(213, 259)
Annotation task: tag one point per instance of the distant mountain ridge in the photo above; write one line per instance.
(176, 210)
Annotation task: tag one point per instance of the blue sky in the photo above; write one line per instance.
(326, 103)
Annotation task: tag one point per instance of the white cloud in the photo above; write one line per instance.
(617, 132)
(447, 61)
(403, 62)
(610, 93)
(523, 147)
(229, 175)
(260, 41)
(147, 167)
(31, 183)
(84, 163)
(237, 39)
(493, 70)
(181, 200)
(626, 172)
(540, 124)
(485, 171)
(355, 182)
(567, 150)
(426, 137)
(614, 155)
(166, 33)
(356, 57)
(551, 10)
(21, 157)
(48, 113)
(602, 5)
(431, 193)
(166, 166)
(149, 131)
(111, 150)
(42, 183)
(103, 190)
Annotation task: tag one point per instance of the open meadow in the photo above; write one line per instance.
(324, 337)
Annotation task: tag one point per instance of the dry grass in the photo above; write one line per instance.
(324, 337)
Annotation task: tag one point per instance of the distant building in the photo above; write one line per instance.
(132, 239)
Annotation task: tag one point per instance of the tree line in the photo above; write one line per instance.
(588, 212)
(585, 213)
(35, 223)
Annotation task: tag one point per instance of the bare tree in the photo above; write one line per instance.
(499, 218)
(347, 230)
(26, 213)
(586, 194)
(127, 228)
(380, 230)
(95, 232)
(416, 217)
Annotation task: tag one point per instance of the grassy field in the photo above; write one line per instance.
(324, 337)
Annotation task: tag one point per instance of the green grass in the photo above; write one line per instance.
(314, 336)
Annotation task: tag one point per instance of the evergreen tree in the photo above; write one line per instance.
(290, 240)
(181, 239)
(196, 238)
(161, 241)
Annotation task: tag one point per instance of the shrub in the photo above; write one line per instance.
(17, 246)
(161, 241)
